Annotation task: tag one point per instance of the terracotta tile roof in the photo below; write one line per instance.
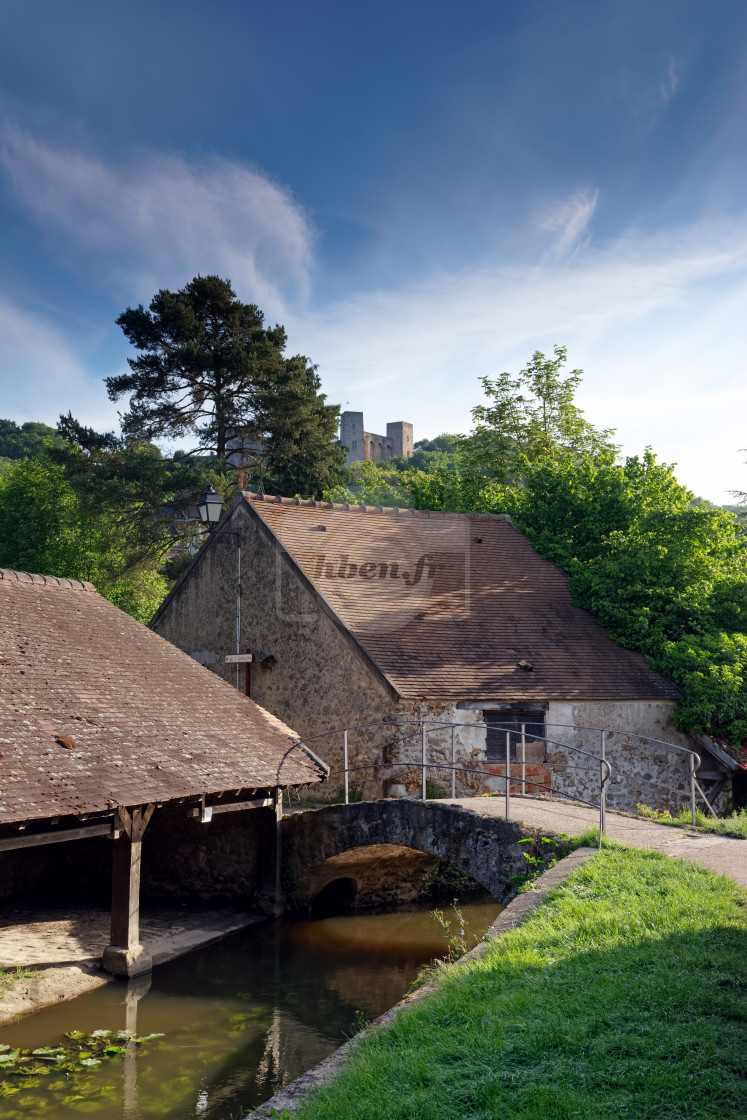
(97, 710)
(456, 606)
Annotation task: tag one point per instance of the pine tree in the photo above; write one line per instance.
(208, 368)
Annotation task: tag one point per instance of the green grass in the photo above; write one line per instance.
(9, 976)
(623, 996)
(733, 825)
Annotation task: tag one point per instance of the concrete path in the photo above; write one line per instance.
(724, 854)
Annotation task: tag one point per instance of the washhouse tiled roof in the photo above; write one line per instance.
(96, 710)
(456, 606)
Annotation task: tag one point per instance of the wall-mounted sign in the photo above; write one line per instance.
(238, 658)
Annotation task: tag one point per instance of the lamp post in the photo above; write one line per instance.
(210, 508)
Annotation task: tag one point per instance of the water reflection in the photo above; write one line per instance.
(241, 1017)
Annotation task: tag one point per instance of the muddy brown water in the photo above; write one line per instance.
(240, 1018)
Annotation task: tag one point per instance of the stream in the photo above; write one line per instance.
(239, 1018)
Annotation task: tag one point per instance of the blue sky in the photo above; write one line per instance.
(422, 193)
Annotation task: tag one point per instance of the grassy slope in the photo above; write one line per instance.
(733, 825)
(623, 996)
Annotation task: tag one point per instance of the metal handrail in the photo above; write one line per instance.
(605, 768)
(695, 760)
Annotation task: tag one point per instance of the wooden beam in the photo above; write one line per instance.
(236, 806)
(36, 839)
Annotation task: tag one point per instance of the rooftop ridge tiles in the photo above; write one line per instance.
(396, 511)
(61, 583)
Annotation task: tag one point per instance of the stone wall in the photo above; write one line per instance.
(78, 870)
(384, 875)
(642, 772)
(486, 848)
(182, 858)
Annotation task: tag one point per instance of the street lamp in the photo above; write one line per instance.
(210, 507)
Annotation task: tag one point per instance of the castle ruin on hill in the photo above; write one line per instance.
(370, 447)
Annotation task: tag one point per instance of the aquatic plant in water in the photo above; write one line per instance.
(64, 1070)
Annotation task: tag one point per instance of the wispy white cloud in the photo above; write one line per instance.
(670, 82)
(157, 219)
(656, 322)
(42, 373)
(569, 220)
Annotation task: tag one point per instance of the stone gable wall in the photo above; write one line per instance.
(307, 670)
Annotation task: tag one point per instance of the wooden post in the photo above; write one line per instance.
(125, 956)
(270, 891)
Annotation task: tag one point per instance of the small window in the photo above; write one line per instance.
(354, 444)
(498, 723)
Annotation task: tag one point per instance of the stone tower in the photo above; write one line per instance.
(399, 438)
(352, 435)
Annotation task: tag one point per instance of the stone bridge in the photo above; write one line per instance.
(386, 848)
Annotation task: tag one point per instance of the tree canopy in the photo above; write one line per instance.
(209, 369)
(45, 526)
(19, 441)
(531, 416)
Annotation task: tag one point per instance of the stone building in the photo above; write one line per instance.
(357, 615)
(370, 447)
(124, 761)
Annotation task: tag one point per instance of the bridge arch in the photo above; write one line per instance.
(486, 848)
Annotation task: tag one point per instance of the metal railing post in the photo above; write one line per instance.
(508, 775)
(602, 789)
(345, 764)
(523, 758)
(693, 814)
(422, 751)
(453, 761)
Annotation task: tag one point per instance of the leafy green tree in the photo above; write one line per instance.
(208, 368)
(665, 576)
(24, 440)
(532, 416)
(372, 484)
(144, 493)
(430, 455)
(46, 527)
